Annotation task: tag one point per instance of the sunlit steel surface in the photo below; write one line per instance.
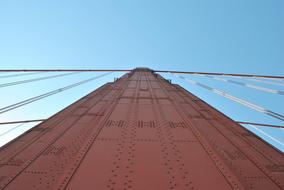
(140, 132)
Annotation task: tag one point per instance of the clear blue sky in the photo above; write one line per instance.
(235, 36)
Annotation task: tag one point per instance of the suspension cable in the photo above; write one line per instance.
(221, 74)
(268, 90)
(16, 127)
(23, 121)
(65, 70)
(236, 99)
(35, 79)
(127, 70)
(267, 82)
(267, 135)
(273, 79)
(258, 124)
(276, 81)
(36, 98)
(20, 74)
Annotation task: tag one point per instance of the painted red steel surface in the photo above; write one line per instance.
(140, 132)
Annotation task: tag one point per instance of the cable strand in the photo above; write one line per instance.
(36, 98)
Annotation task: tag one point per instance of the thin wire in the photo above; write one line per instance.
(274, 79)
(64, 70)
(236, 99)
(34, 79)
(221, 74)
(267, 82)
(127, 70)
(258, 79)
(268, 90)
(36, 98)
(261, 124)
(267, 135)
(21, 74)
(24, 121)
(11, 129)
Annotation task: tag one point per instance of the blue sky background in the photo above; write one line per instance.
(244, 36)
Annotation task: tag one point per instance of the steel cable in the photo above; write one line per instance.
(259, 124)
(268, 90)
(219, 74)
(267, 82)
(36, 98)
(267, 135)
(258, 79)
(21, 74)
(23, 121)
(127, 70)
(236, 99)
(35, 79)
(13, 128)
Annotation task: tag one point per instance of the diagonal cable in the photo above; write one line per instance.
(39, 97)
(260, 80)
(267, 82)
(268, 90)
(259, 124)
(35, 79)
(21, 74)
(267, 135)
(273, 79)
(12, 129)
(236, 99)
(23, 121)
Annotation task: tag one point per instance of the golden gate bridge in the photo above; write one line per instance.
(138, 88)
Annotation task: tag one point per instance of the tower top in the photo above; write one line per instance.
(142, 69)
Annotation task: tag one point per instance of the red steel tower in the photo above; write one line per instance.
(143, 133)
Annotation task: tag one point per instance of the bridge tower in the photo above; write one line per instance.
(143, 133)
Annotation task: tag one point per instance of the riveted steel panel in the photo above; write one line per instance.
(143, 133)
